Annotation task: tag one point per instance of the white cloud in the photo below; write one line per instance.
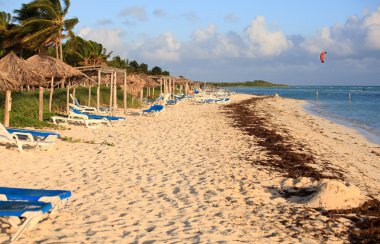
(257, 52)
(261, 41)
(356, 36)
(201, 35)
(373, 37)
(163, 48)
(111, 39)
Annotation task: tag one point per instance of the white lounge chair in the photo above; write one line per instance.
(87, 109)
(80, 119)
(22, 138)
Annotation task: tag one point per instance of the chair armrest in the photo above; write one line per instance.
(28, 135)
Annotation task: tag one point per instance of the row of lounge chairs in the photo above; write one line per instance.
(91, 117)
(210, 97)
(21, 209)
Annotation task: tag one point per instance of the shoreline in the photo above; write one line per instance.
(188, 176)
(372, 135)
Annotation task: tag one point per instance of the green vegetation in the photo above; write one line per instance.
(25, 105)
(42, 26)
(256, 83)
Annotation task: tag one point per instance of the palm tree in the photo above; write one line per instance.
(5, 20)
(85, 52)
(118, 62)
(43, 24)
(5, 23)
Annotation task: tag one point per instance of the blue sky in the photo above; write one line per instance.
(222, 40)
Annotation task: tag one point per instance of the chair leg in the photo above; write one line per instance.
(28, 224)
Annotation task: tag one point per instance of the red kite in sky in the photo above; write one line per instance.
(322, 56)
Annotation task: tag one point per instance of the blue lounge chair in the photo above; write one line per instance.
(22, 138)
(58, 198)
(87, 109)
(34, 133)
(156, 108)
(28, 213)
(171, 102)
(93, 116)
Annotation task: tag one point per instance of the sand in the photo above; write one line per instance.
(181, 178)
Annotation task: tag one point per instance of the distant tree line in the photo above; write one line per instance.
(260, 83)
(41, 26)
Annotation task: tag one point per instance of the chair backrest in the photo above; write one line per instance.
(75, 101)
(4, 133)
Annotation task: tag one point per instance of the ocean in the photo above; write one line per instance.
(355, 106)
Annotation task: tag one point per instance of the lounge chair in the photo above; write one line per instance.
(24, 212)
(214, 100)
(80, 119)
(23, 138)
(75, 112)
(171, 102)
(87, 109)
(58, 198)
(154, 109)
(34, 133)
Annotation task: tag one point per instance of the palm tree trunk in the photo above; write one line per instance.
(56, 51)
(60, 48)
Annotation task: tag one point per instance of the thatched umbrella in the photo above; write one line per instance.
(135, 85)
(54, 68)
(21, 74)
(6, 82)
(149, 82)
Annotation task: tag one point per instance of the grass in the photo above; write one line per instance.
(24, 111)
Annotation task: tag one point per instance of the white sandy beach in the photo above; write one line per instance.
(180, 178)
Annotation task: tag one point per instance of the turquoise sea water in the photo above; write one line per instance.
(354, 106)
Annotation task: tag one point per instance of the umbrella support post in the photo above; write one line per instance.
(41, 104)
(7, 107)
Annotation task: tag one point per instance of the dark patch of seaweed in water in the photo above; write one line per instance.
(295, 164)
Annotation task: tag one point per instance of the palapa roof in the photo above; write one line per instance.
(6, 82)
(20, 72)
(134, 84)
(149, 81)
(182, 81)
(51, 67)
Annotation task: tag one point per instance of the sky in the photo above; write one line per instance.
(223, 40)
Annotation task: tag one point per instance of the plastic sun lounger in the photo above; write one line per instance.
(84, 120)
(87, 109)
(171, 102)
(154, 109)
(75, 112)
(58, 198)
(34, 133)
(23, 138)
(28, 213)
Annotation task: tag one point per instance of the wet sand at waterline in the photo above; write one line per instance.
(194, 174)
